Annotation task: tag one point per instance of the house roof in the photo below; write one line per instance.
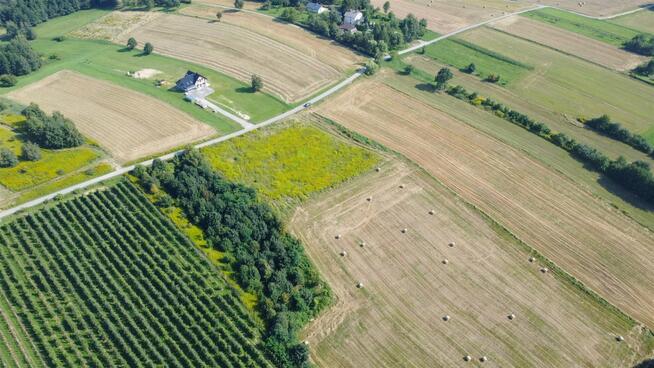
(189, 80)
(314, 7)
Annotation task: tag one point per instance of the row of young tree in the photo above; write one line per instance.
(604, 125)
(379, 33)
(635, 176)
(267, 261)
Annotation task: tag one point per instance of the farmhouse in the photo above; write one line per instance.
(352, 17)
(351, 28)
(316, 8)
(191, 81)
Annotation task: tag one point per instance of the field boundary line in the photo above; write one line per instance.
(123, 170)
(604, 17)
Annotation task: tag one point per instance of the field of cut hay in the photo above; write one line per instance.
(396, 318)
(584, 235)
(570, 43)
(248, 4)
(128, 124)
(328, 52)
(596, 8)
(445, 16)
(642, 21)
(289, 73)
(113, 25)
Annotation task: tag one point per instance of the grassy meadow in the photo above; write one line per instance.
(642, 21)
(111, 62)
(605, 31)
(290, 162)
(459, 54)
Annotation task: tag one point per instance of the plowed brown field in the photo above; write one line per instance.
(570, 43)
(238, 52)
(396, 319)
(127, 123)
(584, 235)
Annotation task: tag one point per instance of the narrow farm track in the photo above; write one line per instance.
(588, 238)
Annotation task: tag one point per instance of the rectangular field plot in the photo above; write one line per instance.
(570, 43)
(396, 318)
(596, 8)
(238, 52)
(583, 234)
(105, 280)
(445, 16)
(642, 21)
(129, 124)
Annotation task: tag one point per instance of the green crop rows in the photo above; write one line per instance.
(105, 280)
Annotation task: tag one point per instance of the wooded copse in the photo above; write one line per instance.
(28, 13)
(18, 58)
(635, 176)
(641, 44)
(53, 132)
(267, 261)
(377, 34)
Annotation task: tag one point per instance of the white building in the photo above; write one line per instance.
(316, 8)
(352, 17)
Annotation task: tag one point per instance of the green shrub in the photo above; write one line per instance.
(7, 158)
(8, 80)
(30, 152)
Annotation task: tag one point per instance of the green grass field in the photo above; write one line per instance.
(605, 31)
(289, 163)
(642, 21)
(105, 279)
(107, 61)
(459, 54)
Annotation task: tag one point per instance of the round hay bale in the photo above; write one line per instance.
(544, 270)
(452, 244)
(431, 212)
(446, 318)
(360, 285)
(445, 261)
(338, 236)
(362, 244)
(306, 342)
(619, 338)
(369, 199)
(378, 169)
(404, 230)
(401, 186)
(343, 253)
(467, 358)
(483, 359)
(532, 259)
(511, 316)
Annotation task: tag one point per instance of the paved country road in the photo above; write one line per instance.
(248, 128)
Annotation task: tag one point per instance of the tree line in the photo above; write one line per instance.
(641, 44)
(28, 13)
(267, 261)
(18, 58)
(604, 125)
(635, 176)
(378, 33)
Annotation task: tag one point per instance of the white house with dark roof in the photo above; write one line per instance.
(191, 81)
(316, 8)
(352, 17)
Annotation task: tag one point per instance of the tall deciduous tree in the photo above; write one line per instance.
(443, 76)
(257, 83)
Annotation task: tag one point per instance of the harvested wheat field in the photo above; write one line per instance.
(328, 52)
(248, 4)
(114, 25)
(128, 124)
(606, 250)
(397, 319)
(289, 73)
(594, 8)
(570, 43)
(445, 16)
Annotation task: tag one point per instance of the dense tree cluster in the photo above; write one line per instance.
(18, 58)
(379, 32)
(646, 69)
(267, 261)
(604, 125)
(54, 132)
(635, 176)
(641, 44)
(28, 13)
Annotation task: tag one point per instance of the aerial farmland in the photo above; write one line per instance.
(370, 183)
